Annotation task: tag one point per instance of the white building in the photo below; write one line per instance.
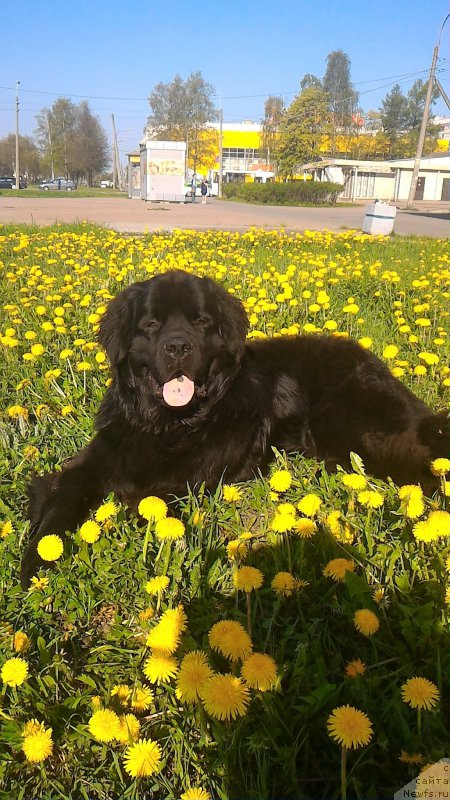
(385, 180)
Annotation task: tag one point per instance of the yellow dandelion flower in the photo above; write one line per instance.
(165, 636)
(193, 673)
(50, 547)
(390, 351)
(412, 501)
(32, 726)
(152, 508)
(122, 691)
(236, 549)
(231, 493)
(196, 793)
(350, 727)
(142, 758)
(231, 639)
(412, 759)
(259, 671)
(284, 583)
(14, 671)
(281, 480)
(37, 584)
(169, 528)
(420, 693)
(159, 667)
(354, 481)
(6, 529)
(248, 578)
(141, 698)
(282, 523)
(106, 511)
(38, 745)
(366, 622)
(337, 568)
(355, 668)
(309, 505)
(439, 522)
(129, 729)
(225, 697)
(104, 725)
(90, 531)
(21, 642)
(305, 528)
(157, 585)
(371, 499)
(440, 466)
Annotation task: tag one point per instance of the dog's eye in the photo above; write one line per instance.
(152, 324)
(202, 322)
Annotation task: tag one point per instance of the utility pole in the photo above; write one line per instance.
(17, 136)
(117, 172)
(423, 127)
(220, 151)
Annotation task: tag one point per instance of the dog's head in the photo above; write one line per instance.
(174, 339)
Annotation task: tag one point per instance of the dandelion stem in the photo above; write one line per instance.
(419, 721)
(344, 773)
(146, 541)
(249, 614)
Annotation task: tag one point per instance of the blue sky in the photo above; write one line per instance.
(112, 52)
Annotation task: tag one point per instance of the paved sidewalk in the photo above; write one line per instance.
(136, 216)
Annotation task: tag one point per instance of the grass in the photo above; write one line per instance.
(81, 191)
(87, 625)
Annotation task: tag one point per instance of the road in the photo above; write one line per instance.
(136, 216)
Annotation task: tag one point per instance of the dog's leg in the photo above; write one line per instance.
(58, 503)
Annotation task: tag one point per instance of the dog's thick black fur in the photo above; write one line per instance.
(320, 395)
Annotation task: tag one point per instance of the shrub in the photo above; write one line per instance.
(290, 193)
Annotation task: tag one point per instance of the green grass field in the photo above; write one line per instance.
(264, 646)
(81, 191)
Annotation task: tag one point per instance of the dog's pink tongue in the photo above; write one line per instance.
(178, 391)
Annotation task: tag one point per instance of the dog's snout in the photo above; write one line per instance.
(178, 347)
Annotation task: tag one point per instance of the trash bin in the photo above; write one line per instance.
(379, 218)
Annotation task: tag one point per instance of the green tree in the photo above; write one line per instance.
(89, 148)
(310, 81)
(28, 156)
(302, 129)
(181, 111)
(54, 133)
(342, 97)
(273, 112)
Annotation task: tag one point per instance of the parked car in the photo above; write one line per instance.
(10, 183)
(198, 190)
(106, 184)
(58, 184)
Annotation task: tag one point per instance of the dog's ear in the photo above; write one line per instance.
(117, 325)
(233, 320)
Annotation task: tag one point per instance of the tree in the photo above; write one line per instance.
(393, 117)
(71, 140)
(54, 133)
(28, 156)
(342, 97)
(273, 112)
(181, 111)
(89, 148)
(310, 81)
(302, 129)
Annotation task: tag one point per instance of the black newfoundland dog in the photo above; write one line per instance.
(191, 402)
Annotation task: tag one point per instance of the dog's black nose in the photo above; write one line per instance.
(178, 347)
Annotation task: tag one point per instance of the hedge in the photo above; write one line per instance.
(289, 193)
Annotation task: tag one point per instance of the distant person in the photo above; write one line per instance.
(59, 183)
(204, 191)
(193, 188)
